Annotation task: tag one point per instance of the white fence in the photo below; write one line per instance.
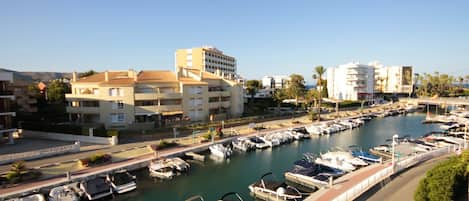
(374, 179)
(9, 158)
(68, 137)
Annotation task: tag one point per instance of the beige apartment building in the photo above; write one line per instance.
(149, 99)
(208, 59)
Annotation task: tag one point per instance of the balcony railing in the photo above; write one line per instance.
(150, 96)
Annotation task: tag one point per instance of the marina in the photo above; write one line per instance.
(326, 157)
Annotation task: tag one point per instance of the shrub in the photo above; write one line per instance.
(111, 133)
(163, 144)
(444, 182)
(96, 159)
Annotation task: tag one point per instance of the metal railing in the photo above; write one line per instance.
(374, 179)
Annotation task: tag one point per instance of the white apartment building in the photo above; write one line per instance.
(275, 82)
(394, 79)
(352, 81)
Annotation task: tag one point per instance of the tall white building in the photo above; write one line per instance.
(275, 82)
(394, 79)
(352, 81)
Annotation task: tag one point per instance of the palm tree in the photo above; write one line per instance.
(317, 75)
(461, 81)
(279, 95)
(19, 168)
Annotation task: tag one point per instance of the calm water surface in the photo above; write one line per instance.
(212, 179)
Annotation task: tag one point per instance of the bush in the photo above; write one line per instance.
(445, 182)
(163, 145)
(111, 133)
(96, 159)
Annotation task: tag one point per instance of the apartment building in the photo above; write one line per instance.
(275, 82)
(149, 99)
(26, 100)
(208, 59)
(393, 79)
(352, 81)
(7, 114)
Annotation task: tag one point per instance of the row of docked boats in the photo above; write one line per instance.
(311, 173)
(99, 187)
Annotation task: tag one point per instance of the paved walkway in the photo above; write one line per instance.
(403, 186)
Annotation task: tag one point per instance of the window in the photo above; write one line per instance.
(213, 99)
(117, 118)
(90, 103)
(144, 90)
(116, 92)
(117, 104)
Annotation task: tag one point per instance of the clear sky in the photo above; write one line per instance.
(266, 37)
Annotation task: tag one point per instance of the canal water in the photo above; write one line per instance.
(212, 179)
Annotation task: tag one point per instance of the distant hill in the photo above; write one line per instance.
(37, 76)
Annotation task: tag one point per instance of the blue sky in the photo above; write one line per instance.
(266, 37)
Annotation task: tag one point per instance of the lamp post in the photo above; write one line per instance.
(465, 133)
(394, 143)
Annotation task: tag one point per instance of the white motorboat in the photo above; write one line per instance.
(243, 144)
(260, 144)
(161, 169)
(383, 148)
(314, 130)
(122, 181)
(96, 188)
(274, 189)
(450, 125)
(178, 164)
(344, 156)
(64, 193)
(220, 151)
(335, 163)
(33, 197)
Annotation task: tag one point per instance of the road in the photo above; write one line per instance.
(403, 186)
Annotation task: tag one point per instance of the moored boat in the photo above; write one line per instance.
(96, 188)
(267, 188)
(64, 193)
(122, 181)
(221, 151)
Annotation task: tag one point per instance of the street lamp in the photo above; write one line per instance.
(465, 133)
(394, 143)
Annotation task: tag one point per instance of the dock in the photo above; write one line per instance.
(195, 156)
(302, 181)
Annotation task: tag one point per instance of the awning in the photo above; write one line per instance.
(172, 113)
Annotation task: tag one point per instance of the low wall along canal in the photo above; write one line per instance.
(214, 178)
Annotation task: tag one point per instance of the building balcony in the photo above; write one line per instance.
(218, 93)
(84, 110)
(152, 96)
(157, 109)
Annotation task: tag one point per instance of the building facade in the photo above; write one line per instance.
(7, 114)
(275, 82)
(394, 79)
(25, 98)
(352, 81)
(149, 99)
(208, 59)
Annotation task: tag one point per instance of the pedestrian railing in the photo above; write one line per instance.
(9, 158)
(374, 179)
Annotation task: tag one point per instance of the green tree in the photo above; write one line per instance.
(56, 91)
(252, 86)
(296, 87)
(312, 96)
(317, 75)
(279, 95)
(86, 74)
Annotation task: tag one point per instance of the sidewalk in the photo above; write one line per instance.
(345, 183)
